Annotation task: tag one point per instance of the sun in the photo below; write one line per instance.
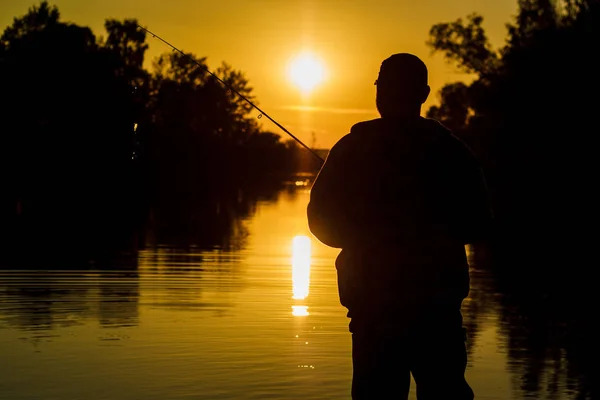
(306, 72)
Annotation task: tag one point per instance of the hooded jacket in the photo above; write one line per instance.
(401, 199)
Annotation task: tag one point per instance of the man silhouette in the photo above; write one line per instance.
(401, 196)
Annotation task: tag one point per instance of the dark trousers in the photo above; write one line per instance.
(384, 358)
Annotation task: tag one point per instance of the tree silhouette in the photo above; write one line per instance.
(93, 142)
(67, 128)
(525, 113)
(529, 116)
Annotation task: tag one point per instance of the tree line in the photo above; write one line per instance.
(88, 130)
(529, 114)
(90, 137)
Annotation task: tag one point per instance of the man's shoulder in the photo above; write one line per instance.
(357, 133)
(365, 126)
(442, 134)
(435, 124)
(448, 143)
(421, 124)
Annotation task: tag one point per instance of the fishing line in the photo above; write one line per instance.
(229, 87)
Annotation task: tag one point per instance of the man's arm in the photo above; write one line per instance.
(327, 219)
(473, 215)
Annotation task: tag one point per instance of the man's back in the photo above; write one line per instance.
(401, 198)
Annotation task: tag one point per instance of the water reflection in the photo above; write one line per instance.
(300, 311)
(184, 279)
(119, 294)
(479, 308)
(300, 266)
(301, 252)
(533, 329)
(550, 322)
(42, 301)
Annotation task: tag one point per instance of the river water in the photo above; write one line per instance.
(257, 319)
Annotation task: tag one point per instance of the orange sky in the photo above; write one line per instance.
(259, 37)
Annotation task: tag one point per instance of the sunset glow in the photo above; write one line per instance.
(306, 72)
(305, 199)
(333, 51)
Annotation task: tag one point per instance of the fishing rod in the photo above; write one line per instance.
(229, 87)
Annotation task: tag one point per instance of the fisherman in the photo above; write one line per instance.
(401, 196)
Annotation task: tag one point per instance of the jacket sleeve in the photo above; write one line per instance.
(472, 212)
(327, 218)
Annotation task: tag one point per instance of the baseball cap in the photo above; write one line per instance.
(402, 69)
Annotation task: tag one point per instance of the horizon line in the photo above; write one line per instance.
(332, 110)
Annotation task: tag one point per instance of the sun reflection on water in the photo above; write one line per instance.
(301, 252)
(299, 311)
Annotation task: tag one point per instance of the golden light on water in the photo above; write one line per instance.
(299, 311)
(301, 250)
(300, 266)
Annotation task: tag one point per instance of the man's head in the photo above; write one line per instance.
(401, 86)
